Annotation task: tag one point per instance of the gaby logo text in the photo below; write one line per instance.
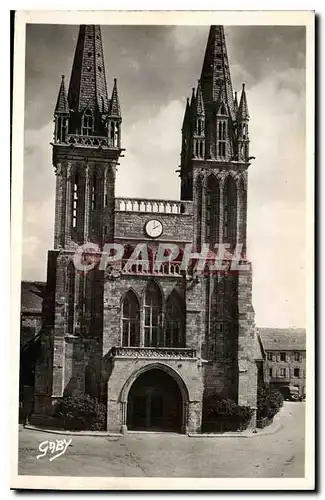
(54, 448)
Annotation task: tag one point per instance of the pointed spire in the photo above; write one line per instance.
(199, 109)
(235, 103)
(242, 113)
(62, 106)
(193, 98)
(186, 114)
(115, 109)
(87, 87)
(215, 74)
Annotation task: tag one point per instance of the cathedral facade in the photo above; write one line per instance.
(150, 337)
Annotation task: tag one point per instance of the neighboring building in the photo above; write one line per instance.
(31, 318)
(150, 340)
(31, 310)
(285, 357)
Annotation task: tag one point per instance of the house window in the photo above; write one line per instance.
(296, 372)
(282, 372)
(282, 356)
(87, 125)
(296, 356)
(152, 316)
(269, 356)
(130, 321)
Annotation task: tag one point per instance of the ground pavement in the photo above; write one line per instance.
(272, 454)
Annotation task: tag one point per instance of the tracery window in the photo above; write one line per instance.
(174, 336)
(130, 321)
(221, 140)
(75, 201)
(152, 316)
(71, 273)
(88, 123)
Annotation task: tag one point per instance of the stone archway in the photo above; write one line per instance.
(155, 399)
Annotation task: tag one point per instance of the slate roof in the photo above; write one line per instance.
(285, 339)
(87, 88)
(215, 74)
(32, 293)
(62, 106)
(242, 112)
(199, 105)
(114, 103)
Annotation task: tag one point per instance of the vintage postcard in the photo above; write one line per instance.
(162, 241)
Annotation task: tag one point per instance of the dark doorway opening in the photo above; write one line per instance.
(155, 403)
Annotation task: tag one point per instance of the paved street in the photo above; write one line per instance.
(280, 454)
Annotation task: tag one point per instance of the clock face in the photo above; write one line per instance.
(154, 228)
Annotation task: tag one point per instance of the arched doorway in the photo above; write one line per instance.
(155, 403)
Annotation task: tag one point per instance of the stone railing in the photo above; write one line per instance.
(87, 140)
(154, 352)
(152, 206)
(148, 268)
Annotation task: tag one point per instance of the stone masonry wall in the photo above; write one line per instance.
(176, 227)
(247, 368)
(188, 374)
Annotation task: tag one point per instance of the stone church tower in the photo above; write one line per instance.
(149, 338)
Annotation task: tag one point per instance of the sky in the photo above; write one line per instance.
(156, 67)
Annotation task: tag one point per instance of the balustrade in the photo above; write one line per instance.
(85, 140)
(154, 352)
(152, 206)
(150, 268)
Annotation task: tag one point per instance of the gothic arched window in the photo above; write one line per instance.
(130, 321)
(221, 142)
(115, 130)
(174, 336)
(71, 275)
(199, 212)
(201, 149)
(93, 193)
(75, 200)
(61, 129)
(199, 127)
(152, 315)
(230, 211)
(212, 210)
(242, 198)
(87, 123)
